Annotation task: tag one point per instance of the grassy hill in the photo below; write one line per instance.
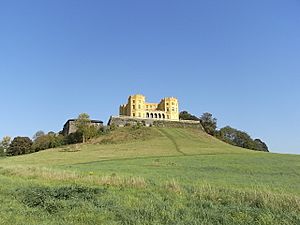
(150, 176)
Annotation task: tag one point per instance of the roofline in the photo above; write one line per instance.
(93, 121)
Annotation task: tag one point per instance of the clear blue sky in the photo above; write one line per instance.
(239, 60)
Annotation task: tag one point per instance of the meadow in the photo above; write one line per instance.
(150, 176)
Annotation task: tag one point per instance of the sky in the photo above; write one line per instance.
(239, 60)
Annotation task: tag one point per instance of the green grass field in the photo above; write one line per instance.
(150, 176)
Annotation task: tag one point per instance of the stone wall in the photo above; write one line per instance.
(122, 121)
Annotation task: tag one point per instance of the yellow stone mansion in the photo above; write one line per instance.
(137, 107)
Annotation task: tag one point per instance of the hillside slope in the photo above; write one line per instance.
(150, 176)
(129, 142)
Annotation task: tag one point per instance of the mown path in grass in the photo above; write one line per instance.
(163, 142)
(166, 133)
(185, 155)
(169, 176)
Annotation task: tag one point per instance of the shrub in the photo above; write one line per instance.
(51, 140)
(73, 138)
(112, 127)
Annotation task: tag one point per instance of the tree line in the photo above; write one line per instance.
(227, 134)
(86, 131)
(41, 140)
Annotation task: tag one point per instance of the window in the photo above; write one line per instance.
(173, 109)
(172, 103)
(168, 109)
(167, 103)
(140, 115)
(133, 101)
(133, 106)
(139, 106)
(147, 106)
(133, 114)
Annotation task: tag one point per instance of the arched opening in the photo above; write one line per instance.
(155, 115)
(151, 115)
(163, 116)
(159, 116)
(147, 115)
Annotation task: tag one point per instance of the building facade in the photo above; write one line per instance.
(137, 107)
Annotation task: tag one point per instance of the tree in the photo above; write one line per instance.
(261, 146)
(4, 145)
(19, 146)
(209, 123)
(51, 133)
(185, 115)
(240, 138)
(38, 134)
(83, 124)
(50, 140)
(73, 138)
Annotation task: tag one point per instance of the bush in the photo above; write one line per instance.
(91, 132)
(51, 140)
(73, 138)
(112, 127)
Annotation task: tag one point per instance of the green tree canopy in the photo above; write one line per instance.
(209, 123)
(241, 139)
(50, 140)
(38, 134)
(20, 146)
(85, 127)
(185, 115)
(4, 145)
(260, 145)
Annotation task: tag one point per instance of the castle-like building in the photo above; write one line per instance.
(137, 107)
